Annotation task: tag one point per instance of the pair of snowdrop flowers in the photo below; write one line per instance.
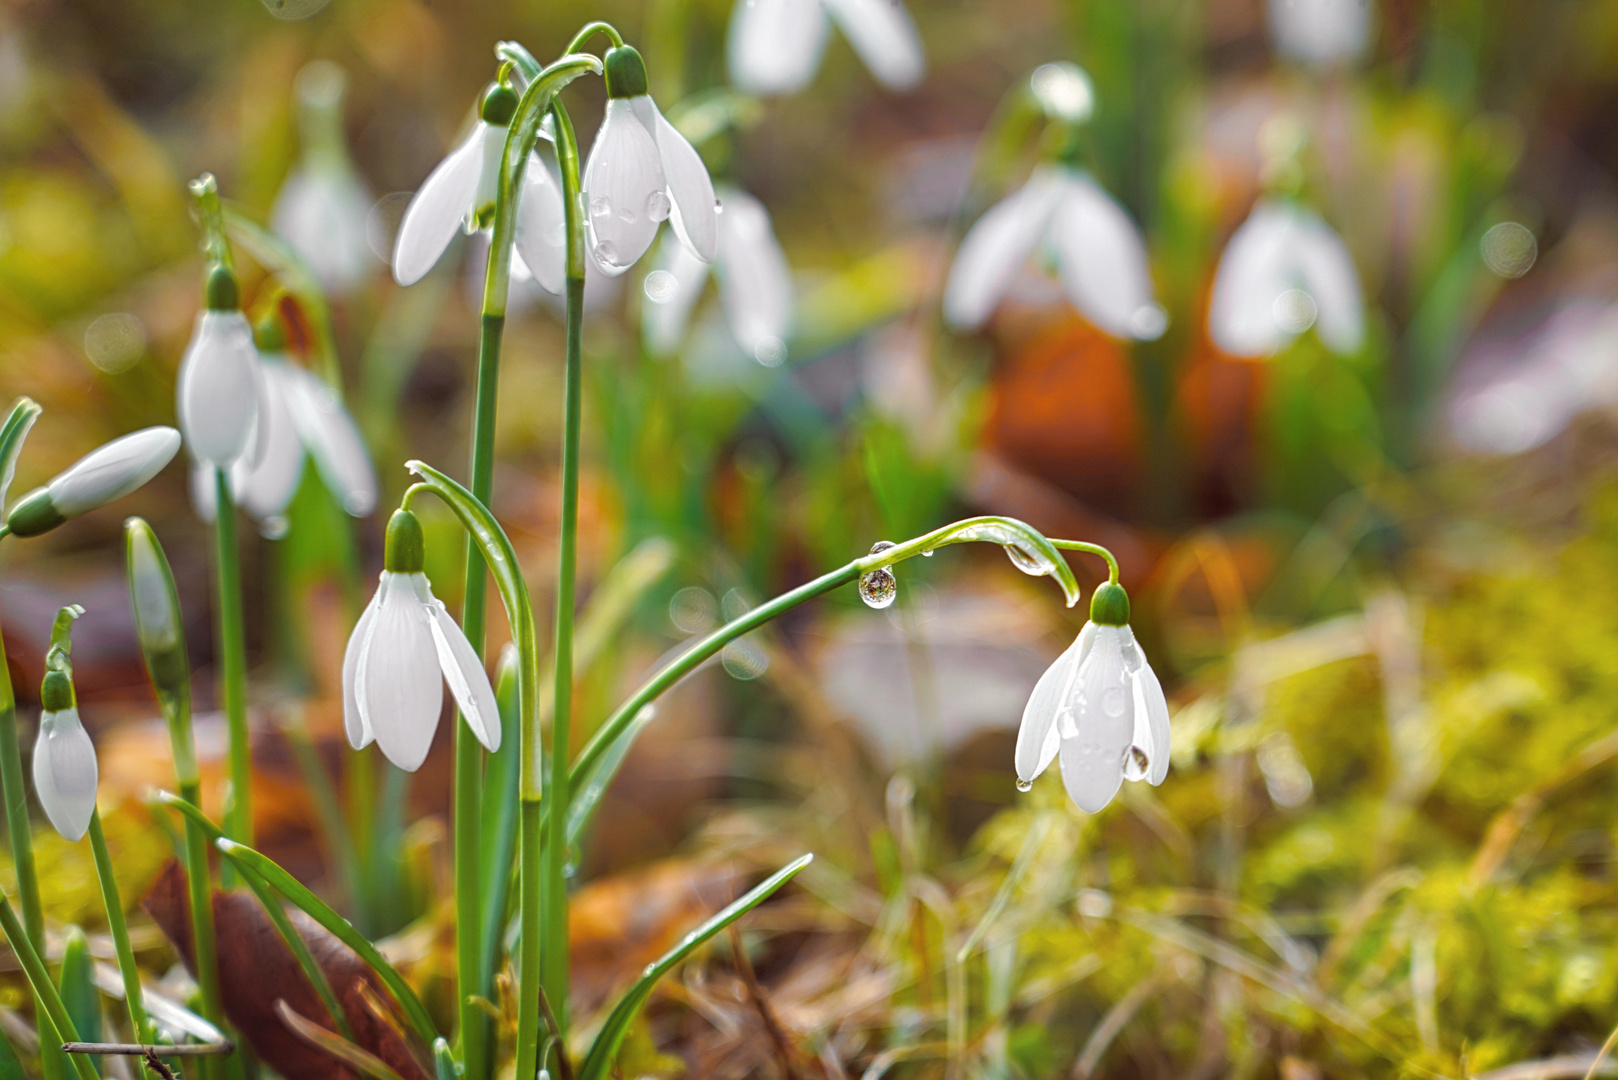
(256, 417)
(640, 173)
(403, 649)
(775, 45)
(1099, 710)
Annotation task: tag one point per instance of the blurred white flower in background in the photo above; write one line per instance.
(1321, 31)
(775, 45)
(322, 208)
(1098, 252)
(1283, 272)
(755, 285)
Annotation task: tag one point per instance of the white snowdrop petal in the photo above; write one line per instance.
(217, 398)
(1099, 724)
(333, 440)
(266, 485)
(398, 687)
(321, 211)
(437, 209)
(354, 726)
(1038, 736)
(492, 150)
(997, 247)
(112, 471)
(1326, 271)
(468, 680)
(624, 172)
(666, 311)
(1149, 695)
(1252, 273)
(1102, 258)
(1320, 31)
(65, 772)
(542, 227)
(692, 212)
(755, 281)
(884, 35)
(775, 45)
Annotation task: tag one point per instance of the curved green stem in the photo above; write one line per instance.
(1093, 549)
(592, 28)
(232, 663)
(139, 1026)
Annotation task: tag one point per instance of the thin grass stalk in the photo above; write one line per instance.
(139, 1024)
(44, 990)
(232, 638)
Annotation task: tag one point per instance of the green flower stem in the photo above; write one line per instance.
(232, 663)
(199, 886)
(1093, 549)
(205, 189)
(589, 29)
(139, 1026)
(22, 857)
(44, 990)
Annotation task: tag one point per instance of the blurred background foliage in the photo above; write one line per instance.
(1390, 629)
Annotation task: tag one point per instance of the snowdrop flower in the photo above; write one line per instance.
(755, 285)
(1100, 709)
(1284, 271)
(300, 416)
(459, 193)
(1096, 247)
(1321, 31)
(775, 45)
(65, 772)
(322, 207)
(218, 390)
(404, 646)
(105, 474)
(640, 172)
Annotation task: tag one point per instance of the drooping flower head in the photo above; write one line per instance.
(1099, 710)
(403, 649)
(775, 45)
(105, 474)
(1062, 214)
(755, 285)
(459, 193)
(1321, 32)
(217, 397)
(640, 172)
(65, 770)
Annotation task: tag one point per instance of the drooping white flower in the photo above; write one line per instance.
(775, 45)
(755, 284)
(322, 207)
(65, 771)
(102, 476)
(1099, 710)
(1284, 271)
(218, 389)
(642, 171)
(402, 651)
(458, 194)
(1321, 31)
(1098, 252)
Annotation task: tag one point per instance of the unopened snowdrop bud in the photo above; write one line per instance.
(403, 649)
(218, 393)
(641, 171)
(459, 194)
(1099, 708)
(98, 478)
(65, 773)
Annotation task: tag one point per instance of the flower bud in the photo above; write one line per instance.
(161, 634)
(499, 105)
(625, 73)
(98, 478)
(222, 291)
(64, 766)
(405, 549)
(1109, 605)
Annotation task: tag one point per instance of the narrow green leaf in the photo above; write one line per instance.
(10, 1065)
(443, 1062)
(12, 434)
(338, 1047)
(588, 790)
(598, 1063)
(78, 988)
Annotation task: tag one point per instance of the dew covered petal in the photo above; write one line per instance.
(1038, 737)
(624, 171)
(1098, 723)
(693, 213)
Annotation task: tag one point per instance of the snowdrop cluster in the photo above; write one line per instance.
(775, 45)
(1099, 710)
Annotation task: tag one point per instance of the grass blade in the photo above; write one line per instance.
(338, 1047)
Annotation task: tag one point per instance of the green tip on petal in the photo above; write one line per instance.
(1109, 606)
(270, 335)
(405, 551)
(499, 105)
(625, 73)
(34, 514)
(223, 293)
(56, 691)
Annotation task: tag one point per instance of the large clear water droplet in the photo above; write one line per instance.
(879, 588)
(600, 206)
(882, 545)
(1027, 561)
(1136, 763)
(1025, 785)
(658, 206)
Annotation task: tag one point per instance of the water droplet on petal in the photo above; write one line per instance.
(1113, 700)
(879, 588)
(607, 254)
(627, 216)
(718, 206)
(1136, 763)
(660, 286)
(927, 554)
(1024, 785)
(1027, 561)
(658, 206)
(882, 545)
(600, 206)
